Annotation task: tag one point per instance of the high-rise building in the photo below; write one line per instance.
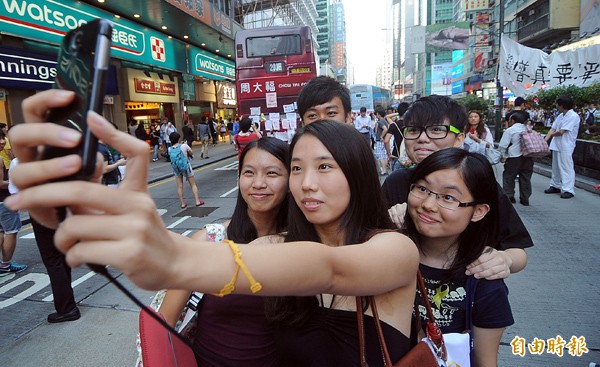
(323, 25)
(337, 42)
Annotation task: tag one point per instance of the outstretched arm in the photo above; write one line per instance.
(122, 228)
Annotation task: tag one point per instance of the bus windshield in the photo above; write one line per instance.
(274, 46)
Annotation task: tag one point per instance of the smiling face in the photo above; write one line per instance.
(435, 223)
(263, 181)
(318, 184)
(423, 146)
(332, 110)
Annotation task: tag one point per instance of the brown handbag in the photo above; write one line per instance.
(429, 352)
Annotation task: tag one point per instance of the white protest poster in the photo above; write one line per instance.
(255, 110)
(271, 99)
(281, 135)
(291, 116)
(526, 70)
(274, 116)
(285, 123)
(290, 134)
(293, 124)
(288, 108)
(268, 125)
(275, 124)
(255, 119)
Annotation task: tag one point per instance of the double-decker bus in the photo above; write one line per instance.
(369, 96)
(271, 66)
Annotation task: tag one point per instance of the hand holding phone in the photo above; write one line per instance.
(83, 62)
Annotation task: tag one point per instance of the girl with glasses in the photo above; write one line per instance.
(452, 216)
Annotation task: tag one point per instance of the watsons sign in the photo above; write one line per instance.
(210, 66)
(50, 20)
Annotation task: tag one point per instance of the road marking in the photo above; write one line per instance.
(229, 192)
(196, 170)
(74, 284)
(7, 277)
(176, 223)
(187, 232)
(28, 236)
(233, 166)
(161, 212)
(40, 281)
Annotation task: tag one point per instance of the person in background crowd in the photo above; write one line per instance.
(10, 224)
(381, 129)
(245, 136)
(514, 162)
(6, 153)
(362, 124)
(477, 136)
(184, 150)
(132, 127)
(519, 106)
(188, 132)
(393, 137)
(437, 122)
(324, 98)
(230, 130)
(140, 132)
(204, 136)
(110, 172)
(155, 141)
(563, 138)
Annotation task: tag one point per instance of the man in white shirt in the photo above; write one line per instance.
(362, 123)
(564, 135)
(514, 162)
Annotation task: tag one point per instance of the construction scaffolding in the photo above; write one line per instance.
(268, 13)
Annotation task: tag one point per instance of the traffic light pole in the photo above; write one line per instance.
(499, 90)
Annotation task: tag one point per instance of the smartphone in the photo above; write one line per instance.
(83, 61)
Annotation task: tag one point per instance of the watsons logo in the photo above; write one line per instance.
(205, 64)
(41, 13)
(58, 19)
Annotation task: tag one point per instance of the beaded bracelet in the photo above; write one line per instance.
(237, 257)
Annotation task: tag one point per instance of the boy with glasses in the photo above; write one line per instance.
(436, 122)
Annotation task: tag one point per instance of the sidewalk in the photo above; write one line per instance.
(161, 169)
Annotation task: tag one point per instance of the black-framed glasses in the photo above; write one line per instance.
(443, 200)
(432, 132)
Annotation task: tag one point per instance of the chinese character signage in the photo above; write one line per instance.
(476, 5)
(226, 96)
(50, 20)
(151, 86)
(259, 88)
(526, 70)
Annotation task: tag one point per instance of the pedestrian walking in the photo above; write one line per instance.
(179, 155)
(514, 161)
(204, 136)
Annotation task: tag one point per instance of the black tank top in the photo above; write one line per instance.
(330, 338)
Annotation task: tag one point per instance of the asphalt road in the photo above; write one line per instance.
(556, 295)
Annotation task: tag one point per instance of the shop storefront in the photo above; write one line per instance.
(132, 43)
(23, 73)
(209, 82)
(150, 97)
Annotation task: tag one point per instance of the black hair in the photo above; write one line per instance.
(480, 126)
(519, 101)
(2, 135)
(320, 90)
(2, 125)
(478, 175)
(380, 111)
(245, 124)
(241, 229)
(519, 116)
(565, 102)
(366, 212)
(402, 108)
(436, 110)
(363, 109)
(174, 137)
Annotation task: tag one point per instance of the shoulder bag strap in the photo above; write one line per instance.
(361, 332)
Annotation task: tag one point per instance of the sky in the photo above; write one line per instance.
(365, 39)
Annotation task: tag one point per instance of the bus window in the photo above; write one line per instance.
(274, 46)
